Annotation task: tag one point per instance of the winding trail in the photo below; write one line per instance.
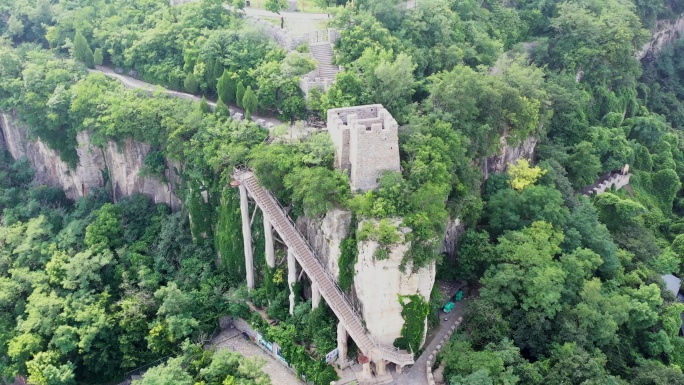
(130, 82)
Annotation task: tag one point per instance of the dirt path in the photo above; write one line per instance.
(130, 82)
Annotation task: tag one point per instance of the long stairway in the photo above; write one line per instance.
(313, 267)
(323, 54)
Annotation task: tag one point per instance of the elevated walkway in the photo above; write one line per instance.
(315, 270)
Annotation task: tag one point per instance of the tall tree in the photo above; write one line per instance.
(239, 94)
(221, 109)
(171, 373)
(226, 87)
(204, 106)
(97, 57)
(249, 102)
(82, 51)
(190, 84)
(239, 4)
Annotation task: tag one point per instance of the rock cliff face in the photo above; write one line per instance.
(325, 236)
(122, 163)
(665, 33)
(508, 154)
(377, 284)
(454, 230)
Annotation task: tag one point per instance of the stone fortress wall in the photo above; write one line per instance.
(366, 143)
(617, 179)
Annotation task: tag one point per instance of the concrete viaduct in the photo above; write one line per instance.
(323, 285)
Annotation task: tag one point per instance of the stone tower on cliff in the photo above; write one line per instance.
(366, 143)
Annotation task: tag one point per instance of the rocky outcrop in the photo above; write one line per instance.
(121, 162)
(509, 154)
(326, 235)
(124, 161)
(454, 230)
(379, 283)
(666, 32)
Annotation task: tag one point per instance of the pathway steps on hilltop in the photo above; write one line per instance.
(323, 54)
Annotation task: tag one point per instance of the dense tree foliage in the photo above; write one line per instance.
(569, 286)
(95, 288)
(197, 365)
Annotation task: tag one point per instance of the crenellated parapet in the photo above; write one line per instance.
(366, 143)
(614, 179)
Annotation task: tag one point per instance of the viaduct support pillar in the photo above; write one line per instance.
(380, 367)
(341, 344)
(268, 238)
(291, 276)
(315, 295)
(247, 238)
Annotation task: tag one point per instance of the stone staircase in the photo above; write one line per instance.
(323, 54)
(313, 267)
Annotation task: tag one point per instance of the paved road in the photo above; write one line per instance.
(417, 374)
(130, 82)
(279, 373)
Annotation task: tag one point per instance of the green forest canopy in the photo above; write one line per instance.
(571, 289)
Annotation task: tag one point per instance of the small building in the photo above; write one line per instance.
(366, 143)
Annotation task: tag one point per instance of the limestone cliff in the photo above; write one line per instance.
(121, 162)
(378, 284)
(508, 154)
(326, 235)
(666, 32)
(453, 232)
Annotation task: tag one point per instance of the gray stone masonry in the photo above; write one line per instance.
(366, 143)
(617, 179)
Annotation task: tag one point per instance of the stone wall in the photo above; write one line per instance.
(433, 354)
(372, 145)
(283, 37)
(372, 149)
(310, 81)
(614, 179)
(122, 163)
(361, 112)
